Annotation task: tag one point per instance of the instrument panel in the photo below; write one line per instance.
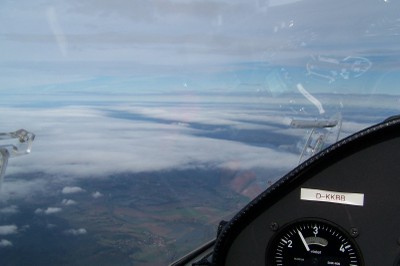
(312, 241)
(341, 207)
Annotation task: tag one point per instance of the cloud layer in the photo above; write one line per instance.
(87, 142)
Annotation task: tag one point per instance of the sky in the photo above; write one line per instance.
(50, 43)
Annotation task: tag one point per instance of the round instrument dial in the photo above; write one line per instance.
(312, 242)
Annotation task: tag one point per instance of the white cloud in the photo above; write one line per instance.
(97, 194)
(9, 210)
(8, 229)
(5, 243)
(92, 142)
(68, 202)
(72, 190)
(98, 144)
(49, 210)
(75, 232)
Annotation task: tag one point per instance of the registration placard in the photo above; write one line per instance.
(348, 198)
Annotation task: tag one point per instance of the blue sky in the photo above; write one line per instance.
(48, 43)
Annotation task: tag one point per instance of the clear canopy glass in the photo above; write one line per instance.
(157, 119)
